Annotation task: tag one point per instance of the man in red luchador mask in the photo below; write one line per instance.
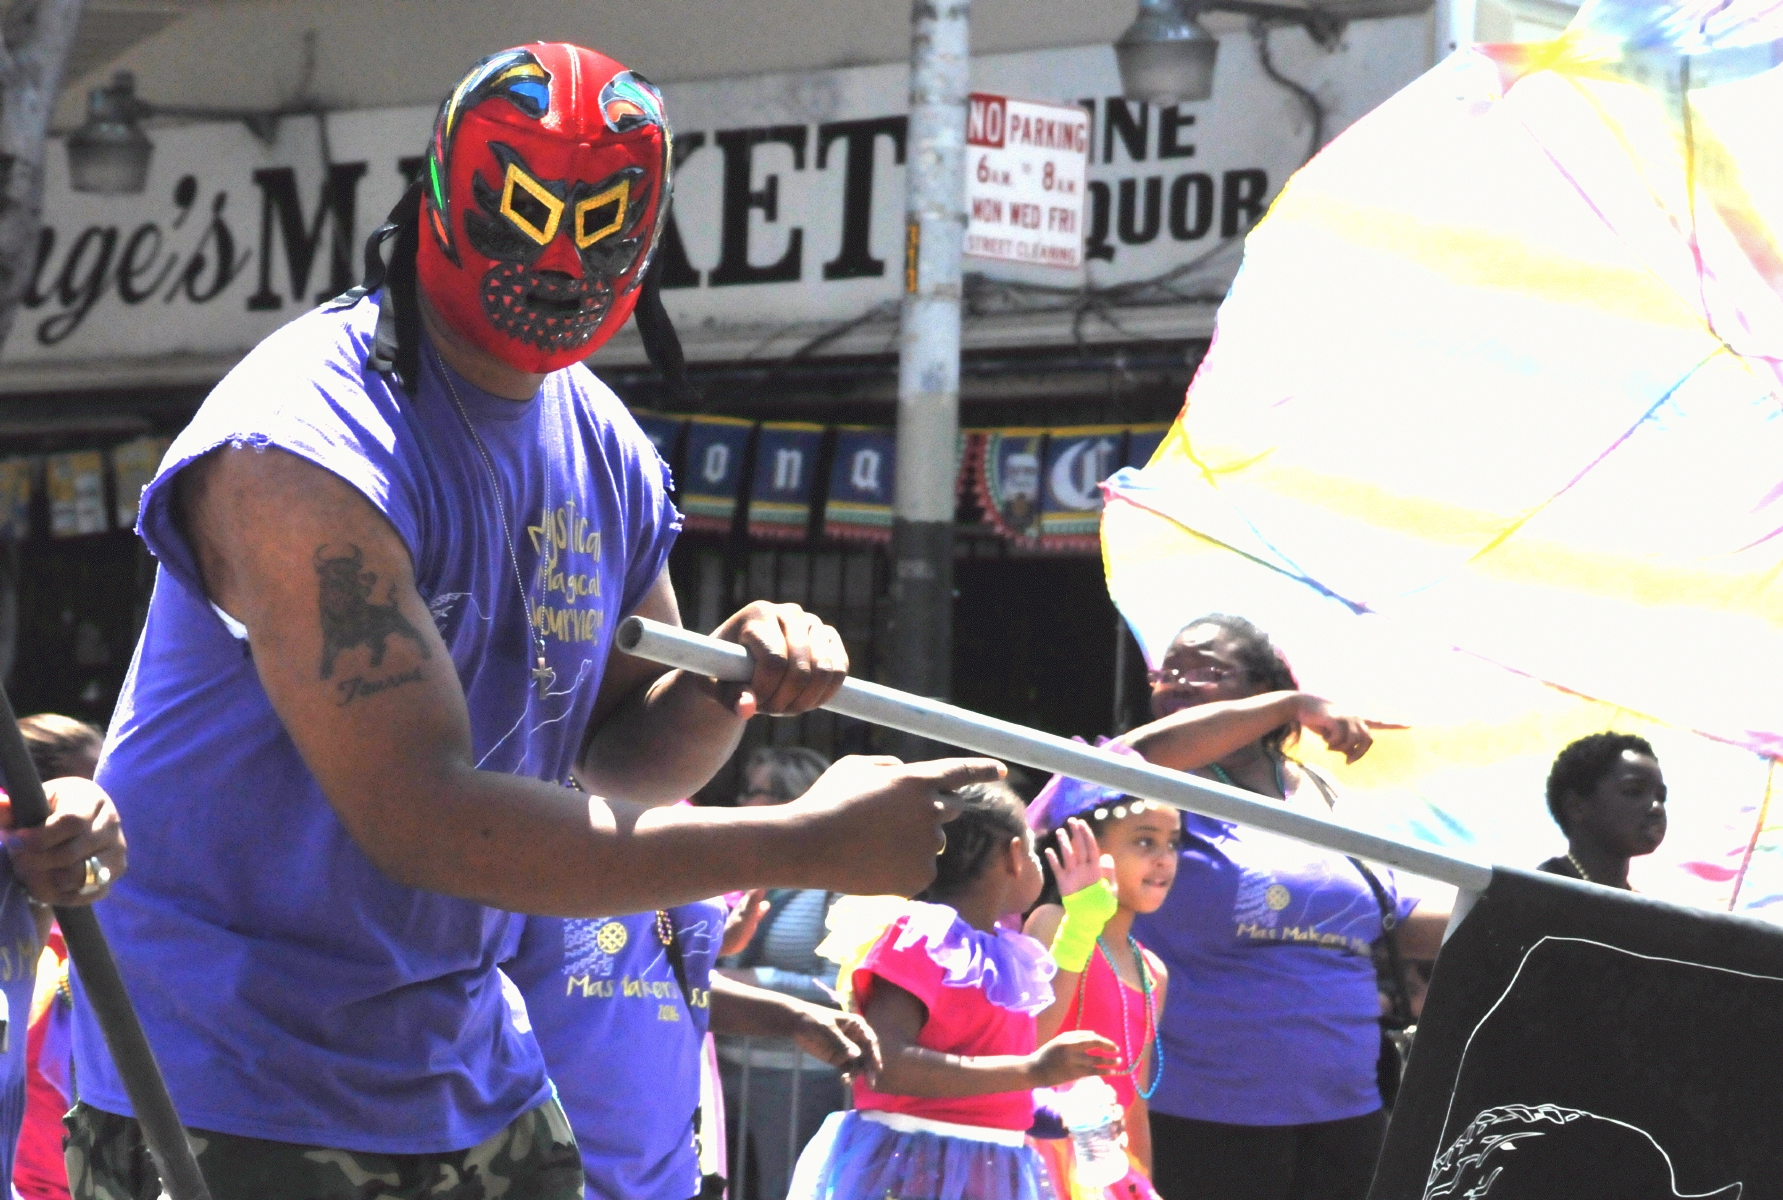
(545, 190)
(396, 543)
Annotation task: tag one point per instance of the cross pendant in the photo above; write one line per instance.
(544, 676)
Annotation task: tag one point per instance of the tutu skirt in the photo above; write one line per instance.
(852, 1158)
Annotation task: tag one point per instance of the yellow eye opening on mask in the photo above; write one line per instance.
(538, 213)
(593, 221)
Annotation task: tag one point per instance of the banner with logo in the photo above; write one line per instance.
(76, 484)
(17, 475)
(1009, 463)
(785, 478)
(716, 447)
(1040, 488)
(664, 432)
(861, 476)
(1077, 461)
(1143, 442)
(133, 466)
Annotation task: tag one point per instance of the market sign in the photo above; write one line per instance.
(1025, 171)
(789, 198)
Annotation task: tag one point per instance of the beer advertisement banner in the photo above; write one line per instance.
(1580, 1042)
(664, 432)
(133, 465)
(1040, 488)
(1143, 442)
(1009, 481)
(861, 476)
(16, 478)
(1077, 461)
(785, 474)
(76, 484)
(716, 447)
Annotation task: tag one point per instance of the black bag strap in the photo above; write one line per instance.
(661, 343)
(396, 344)
(1401, 1016)
(677, 959)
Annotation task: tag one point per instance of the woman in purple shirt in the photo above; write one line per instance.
(1271, 1031)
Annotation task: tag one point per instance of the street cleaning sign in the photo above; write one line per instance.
(1025, 172)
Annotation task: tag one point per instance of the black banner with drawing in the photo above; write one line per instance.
(1587, 1044)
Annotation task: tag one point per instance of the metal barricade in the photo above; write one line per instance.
(767, 1081)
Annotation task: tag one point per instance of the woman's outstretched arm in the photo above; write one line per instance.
(1191, 738)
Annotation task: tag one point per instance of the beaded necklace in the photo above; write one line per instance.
(1586, 875)
(1151, 1015)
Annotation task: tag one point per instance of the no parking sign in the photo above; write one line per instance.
(1025, 169)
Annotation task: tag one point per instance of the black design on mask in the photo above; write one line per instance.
(553, 310)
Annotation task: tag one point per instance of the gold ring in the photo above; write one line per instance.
(97, 877)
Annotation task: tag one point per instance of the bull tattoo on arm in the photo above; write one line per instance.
(349, 615)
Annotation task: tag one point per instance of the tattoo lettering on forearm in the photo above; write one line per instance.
(349, 617)
(359, 687)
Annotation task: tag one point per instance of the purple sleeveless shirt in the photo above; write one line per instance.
(290, 989)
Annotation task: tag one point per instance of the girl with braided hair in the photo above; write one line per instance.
(952, 996)
(1111, 858)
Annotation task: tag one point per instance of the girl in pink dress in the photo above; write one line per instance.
(1115, 856)
(953, 998)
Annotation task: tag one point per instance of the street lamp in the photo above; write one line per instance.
(1166, 54)
(109, 154)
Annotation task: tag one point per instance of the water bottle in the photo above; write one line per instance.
(1093, 1119)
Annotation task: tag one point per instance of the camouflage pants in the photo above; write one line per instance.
(535, 1158)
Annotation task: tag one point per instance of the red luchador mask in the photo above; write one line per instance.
(547, 183)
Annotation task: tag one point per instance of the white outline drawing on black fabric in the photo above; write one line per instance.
(1460, 1154)
(1480, 1155)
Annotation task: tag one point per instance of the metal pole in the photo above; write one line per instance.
(104, 990)
(1010, 742)
(1453, 22)
(793, 1144)
(1118, 725)
(921, 631)
(741, 1184)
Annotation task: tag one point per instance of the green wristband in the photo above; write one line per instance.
(1086, 912)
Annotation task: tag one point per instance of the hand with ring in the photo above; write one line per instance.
(74, 857)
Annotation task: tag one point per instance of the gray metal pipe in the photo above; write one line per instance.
(1010, 742)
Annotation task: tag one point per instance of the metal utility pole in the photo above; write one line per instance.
(35, 40)
(921, 641)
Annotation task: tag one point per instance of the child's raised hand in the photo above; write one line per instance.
(1078, 861)
(1073, 1055)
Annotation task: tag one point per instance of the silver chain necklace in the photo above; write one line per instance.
(542, 673)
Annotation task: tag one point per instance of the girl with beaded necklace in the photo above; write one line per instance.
(1111, 858)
